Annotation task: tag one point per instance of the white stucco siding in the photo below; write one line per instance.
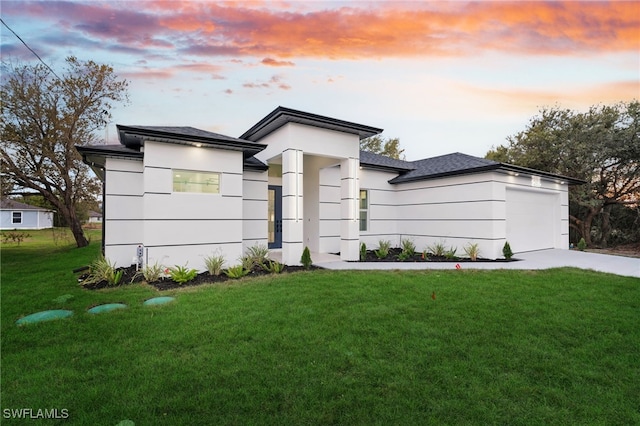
(329, 205)
(310, 140)
(123, 209)
(455, 211)
(175, 228)
(382, 209)
(254, 209)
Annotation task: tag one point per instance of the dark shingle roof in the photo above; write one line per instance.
(446, 165)
(134, 137)
(9, 204)
(377, 161)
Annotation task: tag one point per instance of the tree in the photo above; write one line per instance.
(389, 147)
(43, 118)
(600, 146)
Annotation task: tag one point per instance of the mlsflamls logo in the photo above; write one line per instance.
(30, 413)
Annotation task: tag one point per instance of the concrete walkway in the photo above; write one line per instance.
(543, 259)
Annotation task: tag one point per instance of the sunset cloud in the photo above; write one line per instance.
(273, 63)
(378, 30)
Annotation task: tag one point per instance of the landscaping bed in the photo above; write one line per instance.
(395, 255)
(131, 276)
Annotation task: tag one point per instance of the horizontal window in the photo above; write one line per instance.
(190, 181)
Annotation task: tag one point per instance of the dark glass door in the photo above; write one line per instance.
(275, 217)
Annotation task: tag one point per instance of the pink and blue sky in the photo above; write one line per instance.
(442, 76)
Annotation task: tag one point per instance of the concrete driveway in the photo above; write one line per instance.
(543, 259)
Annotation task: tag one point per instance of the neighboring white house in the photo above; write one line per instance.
(16, 215)
(297, 179)
(94, 217)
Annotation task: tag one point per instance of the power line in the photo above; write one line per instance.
(30, 49)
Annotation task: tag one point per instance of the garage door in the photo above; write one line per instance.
(532, 222)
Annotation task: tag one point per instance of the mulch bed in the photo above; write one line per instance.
(395, 252)
(129, 276)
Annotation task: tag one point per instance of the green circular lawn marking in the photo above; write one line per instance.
(106, 308)
(44, 316)
(159, 300)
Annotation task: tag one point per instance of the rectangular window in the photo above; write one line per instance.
(16, 217)
(190, 181)
(364, 209)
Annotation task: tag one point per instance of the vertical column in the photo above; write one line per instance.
(349, 216)
(292, 219)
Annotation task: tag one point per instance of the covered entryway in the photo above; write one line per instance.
(532, 217)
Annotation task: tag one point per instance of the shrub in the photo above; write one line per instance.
(383, 249)
(404, 256)
(102, 270)
(14, 237)
(437, 249)
(363, 251)
(214, 264)
(408, 247)
(152, 273)
(305, 259)
(582, 244)
(451, 253)
(256, 256)
(273, 267)
(181, 274)
(237, 271)
(246, 262)
(506, 250)
(472, 250)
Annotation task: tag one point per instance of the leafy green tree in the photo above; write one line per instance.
(600, 146)
(43, 118)
(389, 147)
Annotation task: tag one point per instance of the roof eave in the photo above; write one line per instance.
(134, 137)
(402, 179)
(282, 116)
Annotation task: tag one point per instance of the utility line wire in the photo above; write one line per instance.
(30, 49)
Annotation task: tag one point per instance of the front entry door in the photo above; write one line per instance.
(275, 217)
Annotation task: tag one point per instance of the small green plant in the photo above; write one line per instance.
(582, 244)
(451, 253)
(256, 256)
(437, 249)
(182, 274)
(472, 250)
(103, 270)
(383, 249)
(273, 266)
(425, 255)
(152, 273)
(14, 237)
(214, 264)
(305, 259)
(506, 250)
(408, 247)
(363, 252)
(237, 271)
(404, 256)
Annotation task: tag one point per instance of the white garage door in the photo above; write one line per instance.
(532, 222)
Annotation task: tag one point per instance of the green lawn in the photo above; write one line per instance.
(494, 347)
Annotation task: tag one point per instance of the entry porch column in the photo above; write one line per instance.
(349, 225)
(292, 218)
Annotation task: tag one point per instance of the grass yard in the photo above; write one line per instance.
(323, 347)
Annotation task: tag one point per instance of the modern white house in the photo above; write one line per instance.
(298, 179)
(17, 215)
